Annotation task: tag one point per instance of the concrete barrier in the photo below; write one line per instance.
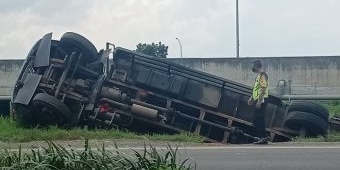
(298, 75)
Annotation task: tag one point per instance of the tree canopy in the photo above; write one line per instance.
(157, 50)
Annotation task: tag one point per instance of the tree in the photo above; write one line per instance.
(157, 50)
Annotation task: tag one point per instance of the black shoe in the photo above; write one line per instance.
(262, 141)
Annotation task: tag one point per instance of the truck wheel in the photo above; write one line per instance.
(310, 124)
(73, 42)
(22, 115)
(56, 51)
(309, 107)
(49, 110)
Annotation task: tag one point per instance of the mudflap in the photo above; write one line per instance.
(42, 57)
(27, 91)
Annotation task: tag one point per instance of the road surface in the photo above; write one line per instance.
(266, 158)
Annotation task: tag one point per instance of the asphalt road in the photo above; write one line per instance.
(265, 158)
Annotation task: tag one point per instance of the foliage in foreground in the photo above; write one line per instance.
(10, 132)
(56, 157)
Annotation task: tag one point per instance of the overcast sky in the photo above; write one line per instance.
(206, 28)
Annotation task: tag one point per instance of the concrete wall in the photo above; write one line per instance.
(8, 72)
(308, 75)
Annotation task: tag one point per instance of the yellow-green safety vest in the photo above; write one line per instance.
(257, 87)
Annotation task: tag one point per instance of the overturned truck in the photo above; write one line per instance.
(68, 83)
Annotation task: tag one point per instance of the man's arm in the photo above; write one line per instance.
(262, 92)
(251, 100)
(263, 86)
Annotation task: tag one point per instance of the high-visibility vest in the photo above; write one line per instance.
(257, 86)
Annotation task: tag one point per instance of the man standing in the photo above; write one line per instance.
(259, 100)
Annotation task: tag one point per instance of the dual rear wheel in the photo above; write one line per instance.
(308, 118)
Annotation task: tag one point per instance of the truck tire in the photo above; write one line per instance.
(56, 51)
(49, 110)
(73, 42)
(22, 115)
(309, 107)
(312, 124)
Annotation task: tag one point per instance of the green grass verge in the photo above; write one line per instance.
(10, 132)
(331, 137)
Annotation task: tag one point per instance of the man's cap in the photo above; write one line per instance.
(256, 63)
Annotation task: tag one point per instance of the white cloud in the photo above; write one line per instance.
(205, 28)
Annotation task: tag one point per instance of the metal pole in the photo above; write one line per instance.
(237, 33)
(5, 98)
(310, 97)
(180, 46)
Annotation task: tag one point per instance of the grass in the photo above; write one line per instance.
(10, 132)
(331, 137)
(56, 157)
(333, 107)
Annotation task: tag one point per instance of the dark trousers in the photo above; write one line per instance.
(259, 120)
